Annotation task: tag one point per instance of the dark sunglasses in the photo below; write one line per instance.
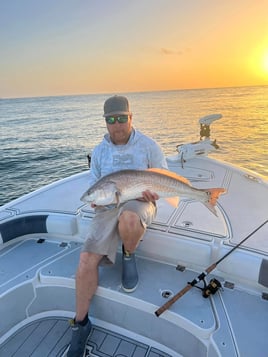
(121, 119)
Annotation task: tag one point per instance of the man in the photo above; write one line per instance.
(123, 147)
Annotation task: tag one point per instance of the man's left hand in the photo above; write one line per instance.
(149, 196)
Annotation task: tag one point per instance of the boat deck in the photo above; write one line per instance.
(37, 298)
(49, 337)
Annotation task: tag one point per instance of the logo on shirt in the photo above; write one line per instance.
(125, 160)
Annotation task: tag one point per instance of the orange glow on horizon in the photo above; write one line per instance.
(84, 49)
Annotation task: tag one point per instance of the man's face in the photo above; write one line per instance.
(119, 128)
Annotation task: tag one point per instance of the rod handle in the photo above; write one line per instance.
(171, 301)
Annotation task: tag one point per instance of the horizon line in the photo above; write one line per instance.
(133, 92)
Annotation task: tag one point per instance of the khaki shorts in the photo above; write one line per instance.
(103, 236)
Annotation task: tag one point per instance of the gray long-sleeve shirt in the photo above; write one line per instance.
(141, 152)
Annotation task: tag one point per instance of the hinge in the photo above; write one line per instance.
(264, 296)
(229, 285)
(180, 267)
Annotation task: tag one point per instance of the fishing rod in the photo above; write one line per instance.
(202, 275)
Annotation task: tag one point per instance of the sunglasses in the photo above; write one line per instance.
(121, 119)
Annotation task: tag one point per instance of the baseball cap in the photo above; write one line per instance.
(116, 105)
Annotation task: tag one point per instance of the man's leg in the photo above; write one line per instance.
(86, 285)
(86, 282)
(131, 231)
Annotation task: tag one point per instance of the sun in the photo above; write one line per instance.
(265, 62)
(258, 63)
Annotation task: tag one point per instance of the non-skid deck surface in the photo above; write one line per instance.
(49, 337)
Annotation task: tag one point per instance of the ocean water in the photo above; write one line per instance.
(47, 138)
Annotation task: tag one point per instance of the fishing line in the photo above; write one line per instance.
(202, 276)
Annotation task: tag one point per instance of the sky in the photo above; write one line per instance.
(65, 47)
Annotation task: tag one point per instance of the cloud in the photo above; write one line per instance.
(172, 52)
(167, 51)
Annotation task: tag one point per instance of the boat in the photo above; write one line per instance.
(203, 278)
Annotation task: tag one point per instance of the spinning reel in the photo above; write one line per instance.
(211, 288)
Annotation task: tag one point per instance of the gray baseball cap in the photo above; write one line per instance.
(116, 105)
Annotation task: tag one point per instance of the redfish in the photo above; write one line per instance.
(125, 185)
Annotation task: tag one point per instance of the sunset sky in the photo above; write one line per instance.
(58, 47)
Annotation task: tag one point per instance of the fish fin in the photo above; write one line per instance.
(213, 195)
(173, 201)
(170, 174)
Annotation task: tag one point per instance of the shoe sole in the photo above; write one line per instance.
(66, 351)
(129, 290)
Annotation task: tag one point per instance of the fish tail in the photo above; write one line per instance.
(212, 196)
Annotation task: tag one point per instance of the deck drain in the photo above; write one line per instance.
(187, 224)
(166, 294)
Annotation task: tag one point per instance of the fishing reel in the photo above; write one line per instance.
(211, 288)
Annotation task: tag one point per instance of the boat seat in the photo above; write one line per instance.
(23, 225)
(55, 224)
(66, 225)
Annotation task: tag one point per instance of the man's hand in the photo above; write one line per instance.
(149, 196)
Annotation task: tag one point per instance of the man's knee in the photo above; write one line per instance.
(129, 220)
(88, 261)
